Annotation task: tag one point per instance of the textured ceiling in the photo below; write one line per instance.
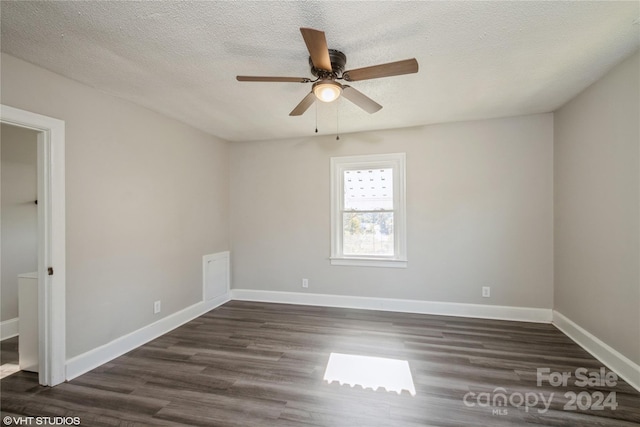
(477, 59)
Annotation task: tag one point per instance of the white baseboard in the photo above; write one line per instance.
(614, 360)
(85, 362)
(8, 329)
(522, 314)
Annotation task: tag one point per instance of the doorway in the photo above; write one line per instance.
(19, 232)
(51, 269)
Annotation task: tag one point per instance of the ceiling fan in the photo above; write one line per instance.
(327, 65)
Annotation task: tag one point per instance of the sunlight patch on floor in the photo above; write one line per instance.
(8, 369)
(370, 372)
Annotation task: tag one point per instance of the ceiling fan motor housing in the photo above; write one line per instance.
(338, 62)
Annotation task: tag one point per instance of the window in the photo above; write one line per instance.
(368, 210)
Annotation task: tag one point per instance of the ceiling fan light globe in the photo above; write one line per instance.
(328, 94)
(327, 90)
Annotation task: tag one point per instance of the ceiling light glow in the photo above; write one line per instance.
(327, 90)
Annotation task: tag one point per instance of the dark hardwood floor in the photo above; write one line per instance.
(254, 364)
(9, 351)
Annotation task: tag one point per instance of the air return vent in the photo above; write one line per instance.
(215, 275)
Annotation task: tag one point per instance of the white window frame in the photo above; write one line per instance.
(395, 161)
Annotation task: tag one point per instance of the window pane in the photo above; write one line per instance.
(369, 233)
(368, 189)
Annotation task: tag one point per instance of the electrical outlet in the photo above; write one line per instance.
(486, 292)
(156, 307)
(305, 283)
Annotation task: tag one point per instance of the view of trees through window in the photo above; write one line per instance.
(367, 218)
(368, 233)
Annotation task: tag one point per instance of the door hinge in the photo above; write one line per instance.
(50, 271)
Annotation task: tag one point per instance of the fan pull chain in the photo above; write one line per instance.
(316, 104)
(337, 121)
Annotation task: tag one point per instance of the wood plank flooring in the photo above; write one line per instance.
(255, 364)
(9, 350)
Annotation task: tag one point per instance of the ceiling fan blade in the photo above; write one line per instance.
(407, 66)
(317, 47)
(360, 99)
(303, 105)
(272, 79)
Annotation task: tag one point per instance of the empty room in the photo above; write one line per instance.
(320, 213)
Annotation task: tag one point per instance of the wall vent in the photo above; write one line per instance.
(215, 275)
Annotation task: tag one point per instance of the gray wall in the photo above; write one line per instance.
(146, 198)
(18, 213)
(597, 217)
(479, 213)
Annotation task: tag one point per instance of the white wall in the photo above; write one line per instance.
(19, 213)
(146, 198)
(597, 209)
(479, 213)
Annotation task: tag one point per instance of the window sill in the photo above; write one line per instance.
(369, 262)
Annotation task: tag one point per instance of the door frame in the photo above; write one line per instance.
(51, 239)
